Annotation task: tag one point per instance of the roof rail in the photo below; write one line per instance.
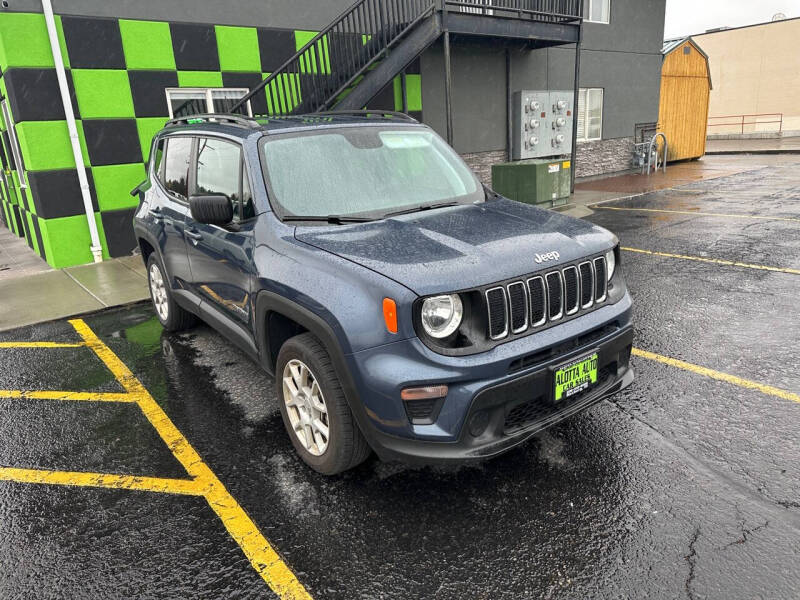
(363, 113)
(226, 118)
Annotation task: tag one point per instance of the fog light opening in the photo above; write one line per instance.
(478, 423)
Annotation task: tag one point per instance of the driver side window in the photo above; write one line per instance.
(219, 172)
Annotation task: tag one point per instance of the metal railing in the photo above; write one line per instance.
(741, 121)
(323, 70)
(333, 60)
(549, 11)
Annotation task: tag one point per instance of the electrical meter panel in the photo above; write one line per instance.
(561, 121)
(531, 137)
(542, 124)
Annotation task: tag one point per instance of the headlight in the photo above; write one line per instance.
(441, 315)
(611, 261)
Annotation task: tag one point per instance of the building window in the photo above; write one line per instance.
(597, 11)
(590, 114)
(191, 101)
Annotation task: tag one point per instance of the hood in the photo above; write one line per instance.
(461, 247)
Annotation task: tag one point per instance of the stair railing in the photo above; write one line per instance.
(549, 11)
(320, 72)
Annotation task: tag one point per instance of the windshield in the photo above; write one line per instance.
(365, 171)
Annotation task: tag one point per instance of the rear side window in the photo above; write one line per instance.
(176, 166)
(158, 157)
(219, 172)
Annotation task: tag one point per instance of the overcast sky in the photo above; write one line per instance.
(685, 17)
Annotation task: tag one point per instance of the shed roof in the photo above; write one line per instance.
(670, 45)
(675, 43)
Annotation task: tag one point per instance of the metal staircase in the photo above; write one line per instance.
(345, 65)
(340, 57)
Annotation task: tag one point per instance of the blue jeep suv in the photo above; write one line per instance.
(402, 307)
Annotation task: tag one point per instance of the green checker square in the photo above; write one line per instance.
(414, 92)
(200, 79)
(287, 89)
(321, 62)
(238, 48)
(46, 145)
(103, 93)
(148, 128)
(67, 240)
(147, 45)
(113, 184)
(24, 41)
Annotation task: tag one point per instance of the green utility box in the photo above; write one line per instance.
(534, 181)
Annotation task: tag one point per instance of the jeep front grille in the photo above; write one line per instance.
(520, 306)
(538, 296)
(498, 313)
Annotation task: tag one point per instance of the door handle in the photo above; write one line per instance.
(156, 214)
(194, 235)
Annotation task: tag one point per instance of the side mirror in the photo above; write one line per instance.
(212, 210)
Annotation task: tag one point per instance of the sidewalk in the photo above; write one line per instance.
(36, 296)
(760, 146)
(16, 258)
(605, 189)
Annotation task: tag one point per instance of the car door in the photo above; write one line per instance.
(169, 208)
(221, 258)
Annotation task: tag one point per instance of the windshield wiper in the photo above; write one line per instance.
(420, 208)
(333, 219)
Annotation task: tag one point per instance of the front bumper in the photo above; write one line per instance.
(495, 402)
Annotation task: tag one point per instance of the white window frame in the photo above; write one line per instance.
(588, 13)
(209, 94)
(583, 105)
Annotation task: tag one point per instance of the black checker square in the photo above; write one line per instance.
(34, 94)
(112, 141)
(414, 68)
(93, 43)
(58, 193)
(276, 46)
(249, 81)
(147, 89)
(195, 47)
(383, 100)
(118, 227)
(12, 165)
(37, 231)
(341, 48)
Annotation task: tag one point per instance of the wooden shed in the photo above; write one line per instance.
(685, 91)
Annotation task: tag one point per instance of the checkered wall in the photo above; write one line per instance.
(117, 70)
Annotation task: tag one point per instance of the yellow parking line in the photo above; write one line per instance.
(696, 213)
(264, 559)
(715, 261)
(70, 396)
(186, 487)
(732, 379)
(39, 345)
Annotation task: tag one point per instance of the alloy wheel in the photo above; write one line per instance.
(158, 291)
(306, 408)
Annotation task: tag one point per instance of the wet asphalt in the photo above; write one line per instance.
(682, 486)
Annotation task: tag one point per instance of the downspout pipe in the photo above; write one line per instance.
(96, 248)
(575, 106)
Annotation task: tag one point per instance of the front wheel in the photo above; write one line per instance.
(314, 408)
(171, 316)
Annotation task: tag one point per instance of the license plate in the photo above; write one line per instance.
(575, 377)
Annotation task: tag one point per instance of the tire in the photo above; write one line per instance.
(345, 446)
(171, 316)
